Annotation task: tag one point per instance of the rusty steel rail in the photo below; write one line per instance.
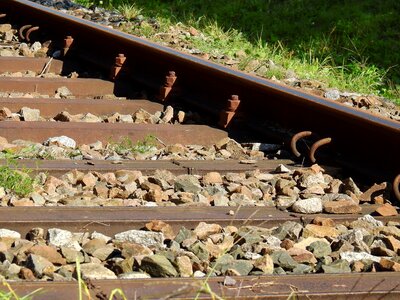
(111, 220)
(360, 137)
(147, 167)
(383, 285)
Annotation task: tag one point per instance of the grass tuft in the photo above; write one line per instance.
(18, 182)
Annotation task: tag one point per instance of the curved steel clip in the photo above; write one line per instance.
(295, 138)
(315, 147)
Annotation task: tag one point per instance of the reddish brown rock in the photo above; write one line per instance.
(312, 230)
(27, 274)
(341, 207)
(386, 210)
(203, 229)
(160, 226)
(48, 252)
(389, 265)
(392, 243)
(323, 221)
(302, 255)
(212, 178)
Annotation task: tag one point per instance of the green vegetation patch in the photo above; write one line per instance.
(126, 145)
(18, 182)
(351, 45)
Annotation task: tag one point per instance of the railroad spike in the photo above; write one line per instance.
(118, 66)
(294, 140)
(29, 31)
(396, 184)
(315, 147)
(21, 31)
(68, 41)
(229, 112)
(166, 89)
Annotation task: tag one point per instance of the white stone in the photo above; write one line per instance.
(100, 236)
(61, 140)
(308, 206)
(282, 169)
(356, 256)
(6, 233)
(36, 46)
(59, 237)
(370, 219)
(133, 275)
(145, 238)
(96, 271)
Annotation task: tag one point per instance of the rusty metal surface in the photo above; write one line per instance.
(147, 167)
(362, 286)
(91, 132)
(51, 107)
(48, 86)
(111, 220)
(361, 137)
(20, 64)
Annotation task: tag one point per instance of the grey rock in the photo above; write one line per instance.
(158, 266)
(319, 249)
(339, 266)
(62, 141)
(63, 92)
(59, 237)
(96, 271)
(284, 202)
(288, 229)
(284, 260)
(72, 255)
(302, 269)
(145, 238)
(187, 183)
(29, 114)
(38, 264)
(308, 206)
(332, 94)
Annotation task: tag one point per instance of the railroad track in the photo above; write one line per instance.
(243, 212)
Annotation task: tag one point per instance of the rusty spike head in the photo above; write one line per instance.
(170, 79)
(68, 41)
(233, 103)
(120, 59)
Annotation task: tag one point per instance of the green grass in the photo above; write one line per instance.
(126, 145)
(18, 182)
(352, 45)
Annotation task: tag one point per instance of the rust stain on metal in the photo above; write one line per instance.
(295, 138)
(315, 147)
